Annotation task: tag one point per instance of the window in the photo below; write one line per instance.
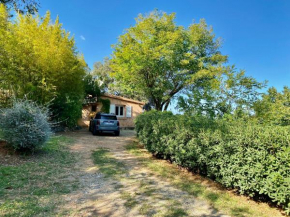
(128, 111)
(94, 108)
(119, 111)
(108, 117)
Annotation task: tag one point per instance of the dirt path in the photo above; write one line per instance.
(133, 192)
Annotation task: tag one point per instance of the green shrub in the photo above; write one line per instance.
(106, 105)
(253, 158)
(25, 125)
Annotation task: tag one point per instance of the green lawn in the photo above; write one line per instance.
(36, 185)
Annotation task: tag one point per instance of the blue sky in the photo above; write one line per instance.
(255, 33)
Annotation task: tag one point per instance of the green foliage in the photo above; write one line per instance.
(5, 94)
(227, 93)
(22, 6)
(91, 86)
(106, 105)
(250, 157)
(157, 59)
(25, 126)
(101, 73)
(92, 91)
(38, 61)
(66, 109)
(274, 107)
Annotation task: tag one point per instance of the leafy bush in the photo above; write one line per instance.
(247, 156)
(106, 105)
(25, 125)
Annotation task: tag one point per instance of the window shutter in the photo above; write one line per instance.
(112, 108)
(128, 111)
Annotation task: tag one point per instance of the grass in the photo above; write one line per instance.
(36, 185)
(146, 209)
(221, 199)
(174, 210)
(144, 192)
(107, 164)
(145, 189)
(130, 199)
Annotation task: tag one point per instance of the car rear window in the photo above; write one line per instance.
(105, 117)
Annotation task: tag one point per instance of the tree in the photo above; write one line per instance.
(91, 87)
(230, 92)
(93, 92)
(157, 59)
(5, 94)
(274, 107)
(101, 73)
(39, 62)
(22, 6)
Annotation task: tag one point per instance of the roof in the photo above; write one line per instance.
(88, 101)
(122, 98)
(106, 114)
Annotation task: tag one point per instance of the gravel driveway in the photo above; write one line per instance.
(136, 192)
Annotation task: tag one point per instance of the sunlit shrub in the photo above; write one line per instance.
(239, 154)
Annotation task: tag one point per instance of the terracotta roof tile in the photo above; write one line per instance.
(123, 98)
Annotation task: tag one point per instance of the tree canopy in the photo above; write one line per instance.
(230, 92)
(274, 107)
(157, 59)
(22, 6)
(101, 72)
(38, 60)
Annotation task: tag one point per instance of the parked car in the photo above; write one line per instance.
(104, 123)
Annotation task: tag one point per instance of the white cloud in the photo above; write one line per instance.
(82, 37)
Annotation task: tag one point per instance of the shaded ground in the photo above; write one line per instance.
(114, 183)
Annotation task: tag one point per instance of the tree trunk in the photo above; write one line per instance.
(158, 105)
(161, 106)
(166, 106)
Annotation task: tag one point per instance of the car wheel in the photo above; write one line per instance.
(95, 132)
(117, 133)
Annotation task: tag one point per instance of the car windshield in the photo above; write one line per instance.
(106, 117)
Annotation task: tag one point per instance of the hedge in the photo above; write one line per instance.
(252, 158)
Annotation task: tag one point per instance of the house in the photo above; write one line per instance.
(125, 109)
